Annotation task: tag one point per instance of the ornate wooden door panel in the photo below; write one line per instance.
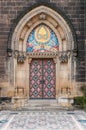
(42, 79)
(49, 78)
(35, 78)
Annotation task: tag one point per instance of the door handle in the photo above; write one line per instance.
(42, 81)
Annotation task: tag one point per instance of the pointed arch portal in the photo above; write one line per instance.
(42, 34)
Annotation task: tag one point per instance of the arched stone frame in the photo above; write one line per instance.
(56, 60)
(56, 23)
(38, 23)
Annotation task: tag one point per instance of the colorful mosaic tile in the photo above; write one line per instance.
(42, 39)
(42, 120)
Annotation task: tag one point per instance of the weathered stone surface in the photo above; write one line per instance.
(11, 11)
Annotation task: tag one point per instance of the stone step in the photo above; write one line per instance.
(40, 102)
(24, 108)
(42, 105)
(25, 104)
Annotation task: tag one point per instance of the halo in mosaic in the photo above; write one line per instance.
(42, 39)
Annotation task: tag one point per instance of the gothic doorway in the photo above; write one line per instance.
(42, 35)
(42, 79)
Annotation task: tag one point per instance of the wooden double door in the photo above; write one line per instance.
(42, 79)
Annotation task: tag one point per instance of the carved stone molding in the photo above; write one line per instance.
(55, 60)
(38, 15)
(42, 16)
(42, 55)
(43, 13)
(29, 60)
(63, 58)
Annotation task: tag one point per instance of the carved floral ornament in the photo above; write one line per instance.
(42, 16)
(63, 57)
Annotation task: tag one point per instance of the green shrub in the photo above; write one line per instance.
(84, 105)
(79, 101)
(83, 89)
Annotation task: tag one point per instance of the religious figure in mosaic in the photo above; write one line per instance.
(42, 39)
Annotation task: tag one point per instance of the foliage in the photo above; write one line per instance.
(80, 102)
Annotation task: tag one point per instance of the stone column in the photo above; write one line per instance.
(29, 61)
(56, 61)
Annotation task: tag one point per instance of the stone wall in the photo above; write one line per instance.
(12, 10)
(85, 35)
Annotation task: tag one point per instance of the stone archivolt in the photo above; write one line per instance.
(29, 26)
(37, 16)
(42, 15)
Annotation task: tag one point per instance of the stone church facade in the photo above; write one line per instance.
(42, 48)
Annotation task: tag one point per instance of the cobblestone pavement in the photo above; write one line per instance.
(42, 120)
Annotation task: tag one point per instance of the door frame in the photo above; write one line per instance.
(42, 92)
(57, 65)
